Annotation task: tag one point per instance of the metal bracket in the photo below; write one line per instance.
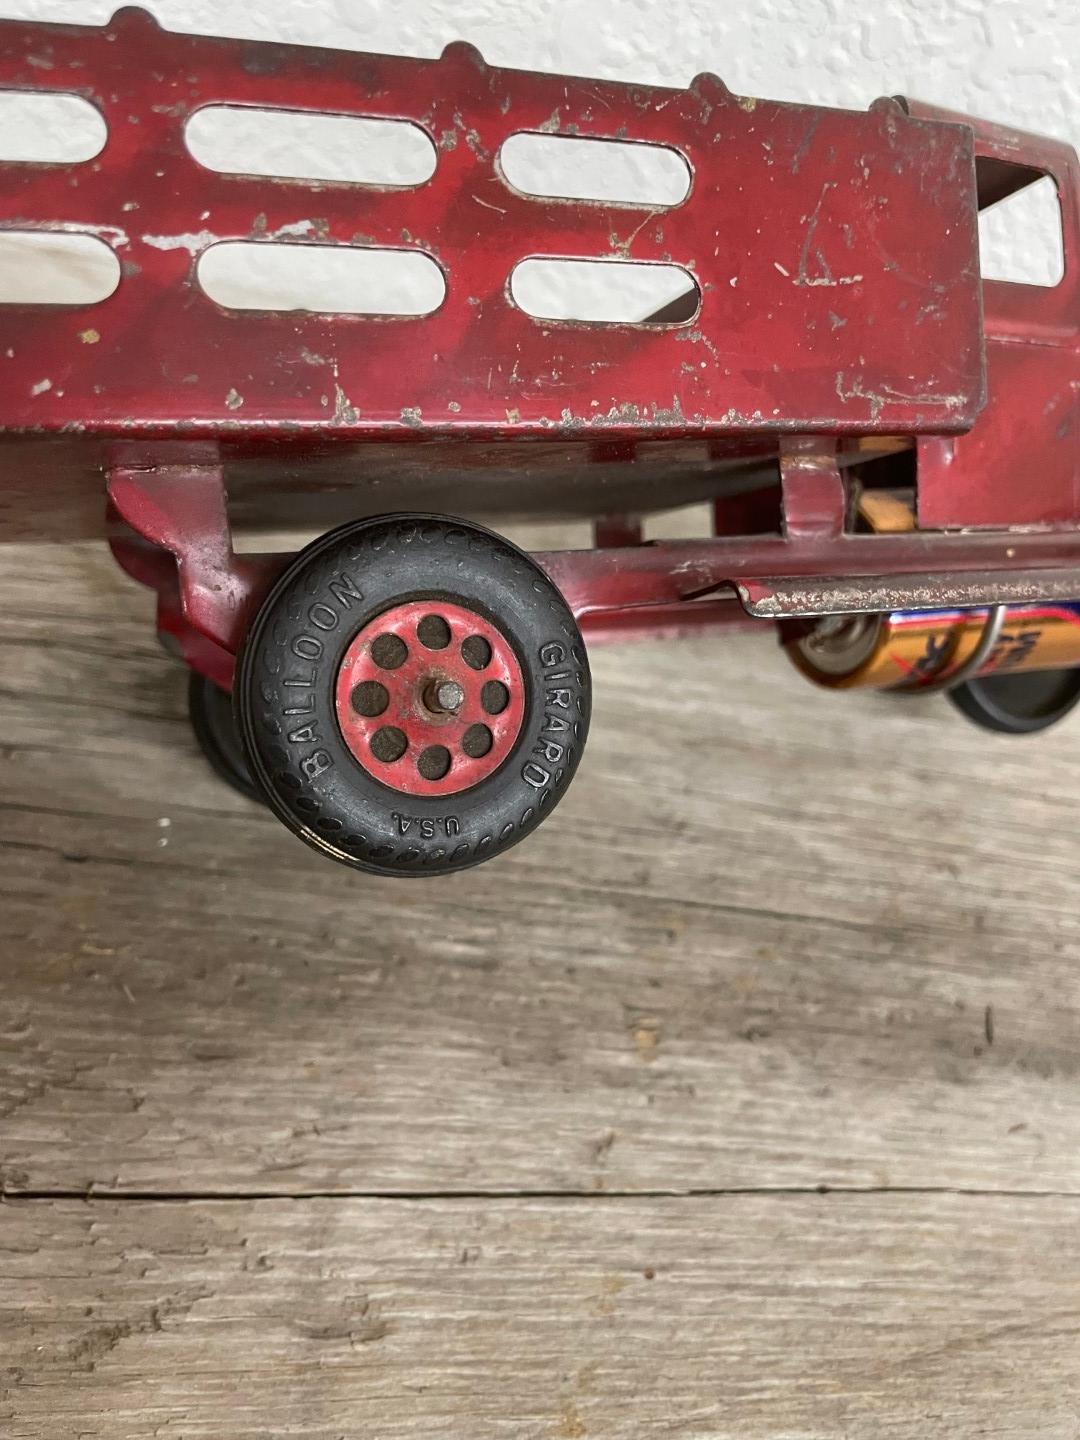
(169, 530)
(815, 500)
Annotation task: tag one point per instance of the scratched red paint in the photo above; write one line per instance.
(1020, 465)
(835, 251)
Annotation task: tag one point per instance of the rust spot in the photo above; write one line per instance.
(647, 1038)
(570, 1426)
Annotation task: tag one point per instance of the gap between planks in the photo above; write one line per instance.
(778, 1192)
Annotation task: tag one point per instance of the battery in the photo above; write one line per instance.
(913, 649)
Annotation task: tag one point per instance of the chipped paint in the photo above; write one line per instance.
(89, 337)
(831, 280)
(112, 234)
(887, 395)
(669, 415)
(233, 400)
(400, 368)
(297, 229)
(345, 412)
(472, 137)
(191, 241)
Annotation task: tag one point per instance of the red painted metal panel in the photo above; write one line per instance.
(1029, 312)
(1020, 465)
(835, 252)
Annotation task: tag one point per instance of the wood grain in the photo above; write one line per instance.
(734, 1317)
(772, 938)
(534, 1151)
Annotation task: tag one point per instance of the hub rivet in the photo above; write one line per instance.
(444, 697)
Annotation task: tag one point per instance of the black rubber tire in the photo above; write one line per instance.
(289, 662)
(212, 720)
(1019, 704)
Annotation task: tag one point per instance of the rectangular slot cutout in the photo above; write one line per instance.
(1020, 235)
(604, 292)
(615, 172)
(55, 267)
(326, 279)
(687, 522)
(308, 145)
(41, 129)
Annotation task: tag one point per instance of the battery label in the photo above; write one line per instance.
(913, 648)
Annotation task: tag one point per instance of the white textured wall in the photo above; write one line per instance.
(1018, 62)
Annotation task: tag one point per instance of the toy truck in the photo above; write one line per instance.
(889, 444)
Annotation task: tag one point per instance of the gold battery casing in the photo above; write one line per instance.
(908, 649)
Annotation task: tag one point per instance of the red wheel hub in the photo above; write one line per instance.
(430, 698)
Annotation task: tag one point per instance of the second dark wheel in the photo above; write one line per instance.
(211, 712)
(413, 696)
(1018, 704)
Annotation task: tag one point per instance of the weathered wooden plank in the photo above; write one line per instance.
(741, 1317)
(758, 945)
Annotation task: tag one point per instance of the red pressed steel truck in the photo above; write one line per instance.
(880, 433)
